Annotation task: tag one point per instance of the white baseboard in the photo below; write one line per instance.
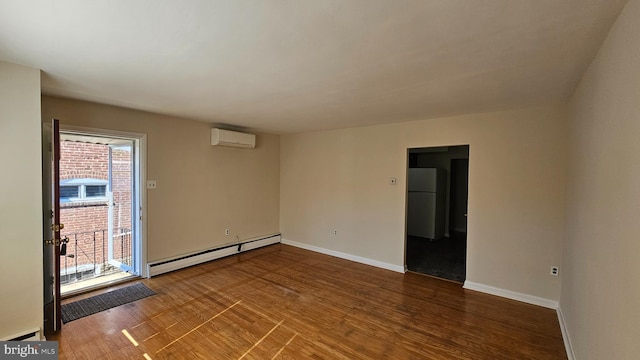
(526, 298)
(565, 335)
(183, 261)
(358, 259)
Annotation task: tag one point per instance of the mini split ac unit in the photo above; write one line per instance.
(220, 137)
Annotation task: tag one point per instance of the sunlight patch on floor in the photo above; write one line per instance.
(93, 282)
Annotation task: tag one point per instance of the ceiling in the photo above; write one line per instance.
(288, 66)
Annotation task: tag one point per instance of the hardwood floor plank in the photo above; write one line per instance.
(281, 302)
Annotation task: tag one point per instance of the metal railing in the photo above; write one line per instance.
(88, 254)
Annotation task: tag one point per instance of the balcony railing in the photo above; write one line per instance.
(88, 254)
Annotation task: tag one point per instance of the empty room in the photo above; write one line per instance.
(420, 179)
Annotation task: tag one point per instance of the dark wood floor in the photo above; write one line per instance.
(282, 302)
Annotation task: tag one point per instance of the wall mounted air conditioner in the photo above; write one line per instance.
(221, 137)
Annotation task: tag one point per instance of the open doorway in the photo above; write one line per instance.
(437, 195)
(99, 198)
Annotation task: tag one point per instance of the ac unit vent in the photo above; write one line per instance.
(221, 137)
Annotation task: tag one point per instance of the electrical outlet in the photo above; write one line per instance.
(393, 181)
(335, 232)
(151, 184)
(555, 271)
(227, 232)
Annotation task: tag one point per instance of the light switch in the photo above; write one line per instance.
(393, 181)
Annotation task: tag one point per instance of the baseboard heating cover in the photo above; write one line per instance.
(180, 262)
(29, 335)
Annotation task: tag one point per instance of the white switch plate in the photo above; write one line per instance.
(151, 184)
(393, 181)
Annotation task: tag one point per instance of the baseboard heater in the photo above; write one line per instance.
(181, 262)
(30, 335)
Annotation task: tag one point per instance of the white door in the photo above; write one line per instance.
(121, 198)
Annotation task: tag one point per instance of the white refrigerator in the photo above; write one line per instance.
(426, 202)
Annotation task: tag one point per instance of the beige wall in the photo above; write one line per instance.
(21, 304)
(340, 180)
(202, 189)
(601, 278)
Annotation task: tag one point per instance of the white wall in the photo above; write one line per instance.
(601, 277)
(340, 180)
(21, 304)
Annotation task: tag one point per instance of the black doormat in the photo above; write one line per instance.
(95, 304)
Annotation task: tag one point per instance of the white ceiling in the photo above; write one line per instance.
(299, 65)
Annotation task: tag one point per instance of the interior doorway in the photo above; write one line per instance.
(99, 202)
(437, 196)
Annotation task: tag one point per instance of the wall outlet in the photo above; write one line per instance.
(335, 232)
(151, 184)
(555, 271)
(227, 232)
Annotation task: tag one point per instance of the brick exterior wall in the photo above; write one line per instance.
(86, 221)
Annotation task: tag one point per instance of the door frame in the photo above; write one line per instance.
(140, 161)
(406, 198)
